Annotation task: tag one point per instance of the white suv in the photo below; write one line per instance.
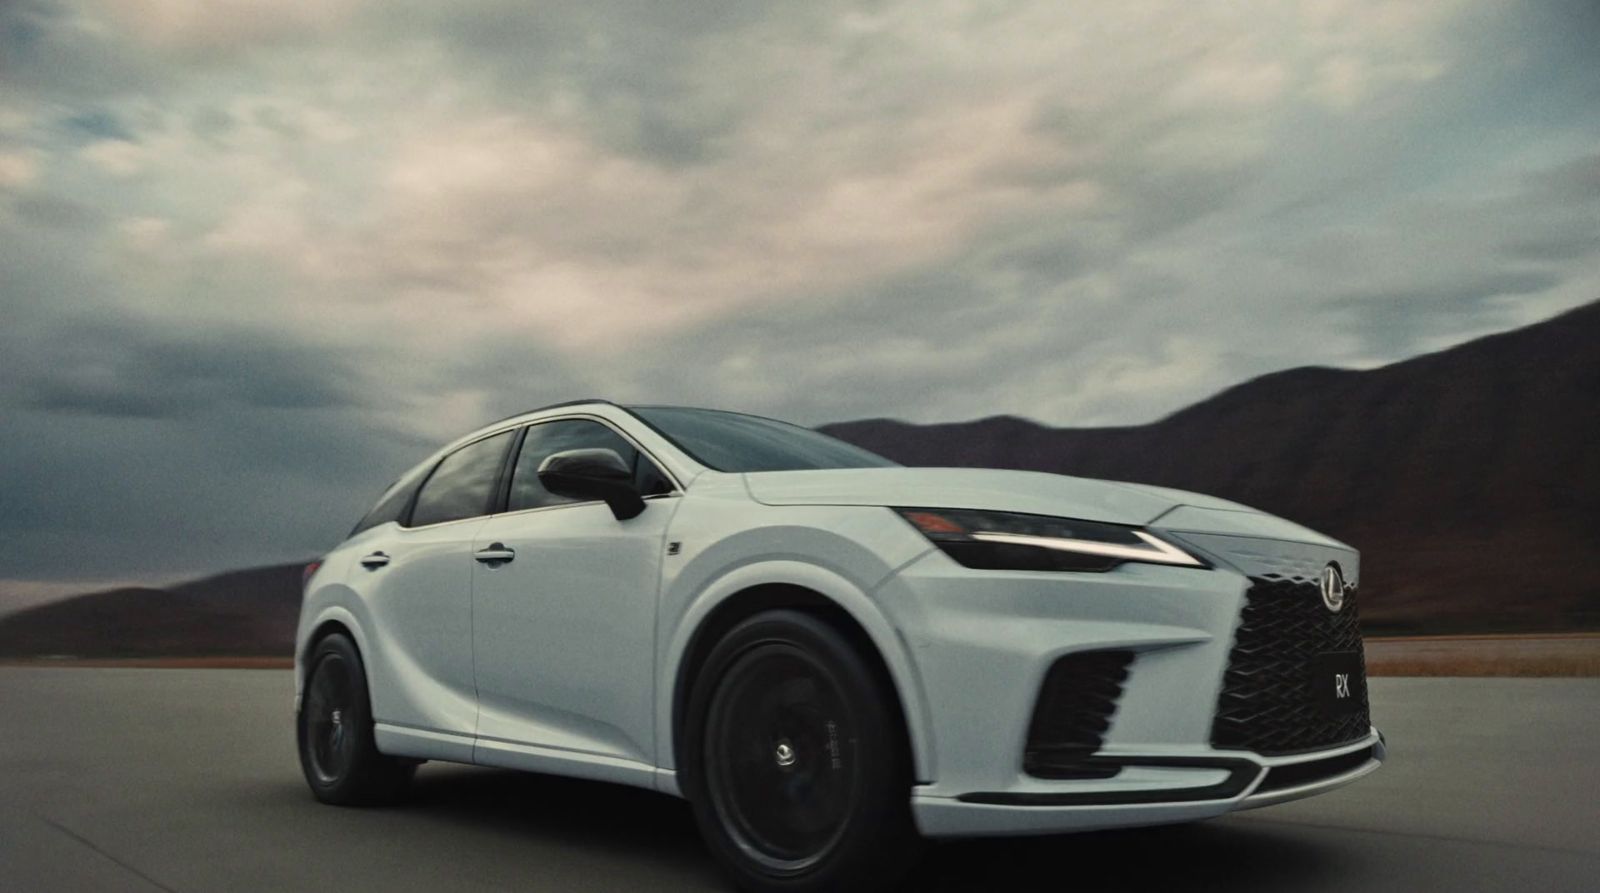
(831, 656)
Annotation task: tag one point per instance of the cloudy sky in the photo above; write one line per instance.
(256, 256)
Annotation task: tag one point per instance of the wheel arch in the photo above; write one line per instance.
(332, 619)
(807, 588)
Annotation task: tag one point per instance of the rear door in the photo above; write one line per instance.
(564, 620)
(416, 581)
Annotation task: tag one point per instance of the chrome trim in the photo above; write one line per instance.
(1309, 789)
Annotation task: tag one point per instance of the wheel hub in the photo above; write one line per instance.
(784, 755)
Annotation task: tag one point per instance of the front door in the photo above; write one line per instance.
(564, 610)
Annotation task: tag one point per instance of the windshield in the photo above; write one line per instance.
(730, 441)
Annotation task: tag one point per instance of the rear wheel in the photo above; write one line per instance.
(798, 764)
(338, 755)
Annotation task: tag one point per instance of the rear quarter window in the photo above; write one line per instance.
(462, 484)
(392, 505)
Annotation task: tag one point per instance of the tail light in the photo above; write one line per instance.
(310, 570)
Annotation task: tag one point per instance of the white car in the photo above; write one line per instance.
(831, 656)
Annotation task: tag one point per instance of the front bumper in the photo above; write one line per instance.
(982, 643)
(1155, 790)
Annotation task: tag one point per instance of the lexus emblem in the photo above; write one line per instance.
(1333, 586)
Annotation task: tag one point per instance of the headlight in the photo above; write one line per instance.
(1012, 541)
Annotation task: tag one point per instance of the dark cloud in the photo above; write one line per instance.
(132, 371)
(97, 124)
(1392, 323)
(258, 258)
(634, 70)
(100, 496)
(56, 212)
(45, 50)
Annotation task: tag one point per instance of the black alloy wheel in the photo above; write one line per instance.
(801, 777)
(327, 704)
(338, 755)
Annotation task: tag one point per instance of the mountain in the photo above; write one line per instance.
(1469, 478)
(239, 613)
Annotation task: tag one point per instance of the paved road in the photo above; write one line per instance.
(139, 780)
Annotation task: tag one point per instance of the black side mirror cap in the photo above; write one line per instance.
(595, 473)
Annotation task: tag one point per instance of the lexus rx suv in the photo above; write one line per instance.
(831, 656)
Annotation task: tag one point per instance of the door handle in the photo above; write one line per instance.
(374, 561)
(495, 552)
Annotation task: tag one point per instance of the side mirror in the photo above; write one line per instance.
(593, 474)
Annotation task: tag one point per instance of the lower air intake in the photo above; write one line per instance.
(1074, 710)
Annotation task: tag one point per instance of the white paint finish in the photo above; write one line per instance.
(558, 761)
(1301, 559)
(730, 544)
(422, 743)
(566, 660)
(1030, 492)
(564, 634)
(1301, 792)
(415, 620)
(941, 815)
(983, 641)
(1245, 525)
(947, 817)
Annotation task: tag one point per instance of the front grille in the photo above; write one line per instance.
(1267, 703)
(1073, 712)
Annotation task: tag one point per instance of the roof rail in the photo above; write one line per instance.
(581, 402)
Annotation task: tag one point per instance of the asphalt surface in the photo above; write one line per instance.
(139, 780)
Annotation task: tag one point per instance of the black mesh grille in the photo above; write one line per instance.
(1267, 704)
(1074, 710)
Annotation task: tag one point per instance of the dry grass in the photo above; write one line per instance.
(1525, 655)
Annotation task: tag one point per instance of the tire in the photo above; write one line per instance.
(797, 762)
(340, 760)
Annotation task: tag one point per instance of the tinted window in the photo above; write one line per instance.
(392, 505)
(574, 434)
(730, 441)
(462, 483)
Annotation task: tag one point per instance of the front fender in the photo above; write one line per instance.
(853, 599)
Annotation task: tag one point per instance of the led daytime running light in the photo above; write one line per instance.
(1159, 552)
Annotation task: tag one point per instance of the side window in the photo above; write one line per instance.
(462, 482)
(574, 434)
(391, 506)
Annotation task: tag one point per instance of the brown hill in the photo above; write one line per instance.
(1469, 478)
(247, 612)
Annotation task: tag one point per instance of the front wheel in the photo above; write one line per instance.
(797, 762)
(340, 760)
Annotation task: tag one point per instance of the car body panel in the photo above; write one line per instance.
(1256, 556)
(417, 619)
(569, 658)
(729, 544)
(984, 641)
(1029, 492)
(1241, 523)
(948, 816)
(564, 634)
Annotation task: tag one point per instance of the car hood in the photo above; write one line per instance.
(1031, 492)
